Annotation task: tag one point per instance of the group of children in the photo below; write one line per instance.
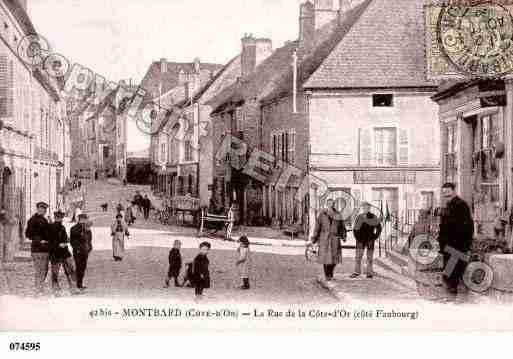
(197, 274)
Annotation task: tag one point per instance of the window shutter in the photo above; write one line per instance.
(404, 150)
(366, 153)
(6, 87)
(287, 147)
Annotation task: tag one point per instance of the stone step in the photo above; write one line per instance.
(22, 256)
(397, 258)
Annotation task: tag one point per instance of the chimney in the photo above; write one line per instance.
(163, 65)
(254, 51)
(306, 24)
(23, 4)
(324, 12)
(197, 63)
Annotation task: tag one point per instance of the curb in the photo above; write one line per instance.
(332, 289)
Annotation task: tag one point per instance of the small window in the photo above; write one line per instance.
(6, 26)
(382, 100)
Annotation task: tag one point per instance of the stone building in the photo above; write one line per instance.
(177, 160)
(34, 132)
(331, 106)
(477, 147)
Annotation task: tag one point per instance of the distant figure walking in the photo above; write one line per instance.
(119, 230)
(146, 204)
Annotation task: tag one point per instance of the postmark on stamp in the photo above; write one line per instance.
(477, 39)
(470, 39)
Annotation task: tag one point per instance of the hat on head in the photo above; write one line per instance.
(42, 205)
(59, 214)
(205, 244)
(119, 216)
(82, 216)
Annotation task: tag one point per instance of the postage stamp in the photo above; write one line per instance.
(471, 39)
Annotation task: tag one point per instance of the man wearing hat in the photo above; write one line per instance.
(367, 228)
(59, 253)
(81, 241)
(37, 232)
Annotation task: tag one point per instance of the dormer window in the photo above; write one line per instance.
(382, 100)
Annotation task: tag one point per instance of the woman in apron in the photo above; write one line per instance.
(119, 230)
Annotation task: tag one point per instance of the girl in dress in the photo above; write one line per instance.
(119, 230)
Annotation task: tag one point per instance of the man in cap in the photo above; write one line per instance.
(37, 233)
(59, 253)
(367, 229)
(81, 241)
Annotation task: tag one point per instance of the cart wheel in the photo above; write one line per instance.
(311, 252)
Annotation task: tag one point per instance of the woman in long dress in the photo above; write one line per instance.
(119, 230)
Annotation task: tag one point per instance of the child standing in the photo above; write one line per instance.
(200, 269)
(175, 264)
(243, 261)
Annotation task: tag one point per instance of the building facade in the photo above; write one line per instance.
(35, 151)
(373, 129)
(477, 148)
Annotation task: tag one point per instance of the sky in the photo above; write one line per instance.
(119, 39)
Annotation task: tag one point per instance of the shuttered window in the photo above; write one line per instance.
(385, 146)
(6, 88)
(366, 153)
(404, 147)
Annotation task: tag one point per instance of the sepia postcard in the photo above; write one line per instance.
(252, 166)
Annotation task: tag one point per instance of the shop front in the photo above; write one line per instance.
(476, 128)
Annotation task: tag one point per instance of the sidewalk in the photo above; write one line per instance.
(383, 286)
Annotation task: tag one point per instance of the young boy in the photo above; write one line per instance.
(175, 264)
(200, 269)
(243, 262)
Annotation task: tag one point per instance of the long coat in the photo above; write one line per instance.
(118, 232)
(456, 225)
(57, 235)
(81, 239)
(201, 274)
(329, 228)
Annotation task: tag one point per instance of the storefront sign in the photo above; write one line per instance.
(384, 177)
(185, 203)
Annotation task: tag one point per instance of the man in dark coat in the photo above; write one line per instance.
(37, 232)
(81, 241)
(146, 204)
(456, 234)
(201, 274)
(367, 229)
(59, 253)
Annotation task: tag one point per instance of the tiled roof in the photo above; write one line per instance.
(384, 48)
(176, 96)
(260, 82)
(273, 77)
(327, 39)
(21, 16)
(169, 79)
